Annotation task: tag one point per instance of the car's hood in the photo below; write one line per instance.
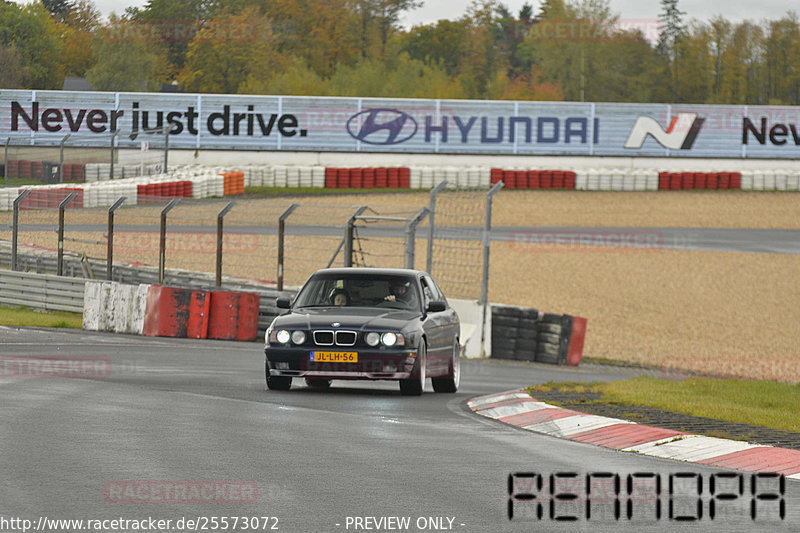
(355, 318)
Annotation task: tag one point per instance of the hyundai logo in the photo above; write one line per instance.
(382, 126)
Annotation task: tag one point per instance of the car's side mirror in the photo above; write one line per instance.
(436, 306)
(283, 303)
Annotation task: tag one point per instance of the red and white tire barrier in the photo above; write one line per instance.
(517, 408)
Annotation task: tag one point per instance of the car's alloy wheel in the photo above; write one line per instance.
(316, 383)
(414, 385)
(450, 383)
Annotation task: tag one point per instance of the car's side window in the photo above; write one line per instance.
(427, 293)
(435, 292)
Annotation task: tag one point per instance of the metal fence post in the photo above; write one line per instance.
(110, 245)
(348, 236)
(15, 227)
(411, 235)
(5, 163)
(487, 229)
(111, 168)
(281, 235)
(166, 148)
(431, 225)
(220, 216)
(60, 257)
(61, 159)
(162, 243)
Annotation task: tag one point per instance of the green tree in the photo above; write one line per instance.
(782, 56)
(223, 59)
(32, 33)
(442, 43)
(13, 74)
(743, 81)
(671, 34)
(77, 31)
(123, 64)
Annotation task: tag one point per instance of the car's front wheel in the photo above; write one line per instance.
(453, 379)
(277, 382)
(414, 385)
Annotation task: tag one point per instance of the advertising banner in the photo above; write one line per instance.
(293, 123)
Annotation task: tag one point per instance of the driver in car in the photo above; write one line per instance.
(400, 292)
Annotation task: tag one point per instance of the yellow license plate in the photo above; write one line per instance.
(334, 357)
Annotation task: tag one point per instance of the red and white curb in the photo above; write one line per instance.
(517, 408)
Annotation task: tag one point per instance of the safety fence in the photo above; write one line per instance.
(40, 291)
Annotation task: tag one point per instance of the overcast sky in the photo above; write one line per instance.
(434, 10)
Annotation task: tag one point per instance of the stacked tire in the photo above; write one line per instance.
(514, 332)
(552, 338)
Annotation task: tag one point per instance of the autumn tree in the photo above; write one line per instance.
(232, 54)
(77, 32)
(672, 32)
(124, 62)
(10, 65)
(782, 61)
(31, 32)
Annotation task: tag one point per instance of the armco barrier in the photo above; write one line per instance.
(41, 291)
(233, 316)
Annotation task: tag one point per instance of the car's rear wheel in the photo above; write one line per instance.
(414, 385)
(316, 383)
(453, 379)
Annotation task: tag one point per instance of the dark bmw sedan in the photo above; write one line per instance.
(365, 323)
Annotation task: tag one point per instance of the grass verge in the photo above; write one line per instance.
(20, 316)
(760, 403)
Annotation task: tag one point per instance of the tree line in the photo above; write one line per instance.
(572, 50)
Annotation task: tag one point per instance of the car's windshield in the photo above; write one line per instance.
(389, 291)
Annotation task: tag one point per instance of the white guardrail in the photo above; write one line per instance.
(41, 291)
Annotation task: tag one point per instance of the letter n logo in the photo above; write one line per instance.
(680, 134)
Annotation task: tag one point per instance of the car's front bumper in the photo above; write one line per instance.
(372, 364)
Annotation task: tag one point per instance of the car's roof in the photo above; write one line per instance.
(406, 272)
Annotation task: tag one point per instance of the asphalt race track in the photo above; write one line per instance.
(152, 411)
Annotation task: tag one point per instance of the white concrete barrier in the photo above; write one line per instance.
(115, 307)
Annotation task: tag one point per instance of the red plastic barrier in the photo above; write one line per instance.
(381, 177)
(167, 312)
(723, 181)
(521, 179)
(188, 189)
(330, 178)
(546, 179)
(197, 323)
(393, 178)
(233, 316)
(735, 180)
(404, 177)
(711, 182)
(663, 181)
(495, 175)
(576, 339)
(534, 181)
(569, 180)
(510, 179)
(25, 169)
(369, 178)
(357, 178)
(675, 181)
(558, 179)
(343, 178)
(701, 180)
(687, 180)
(12, 168)
(37, 170)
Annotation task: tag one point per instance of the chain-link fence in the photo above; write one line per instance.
(275, 241)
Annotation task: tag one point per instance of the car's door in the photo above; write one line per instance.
(440, 328)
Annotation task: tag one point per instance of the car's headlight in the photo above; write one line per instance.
(373, 338)
(298, 337)
(392, 339)
(282, 336)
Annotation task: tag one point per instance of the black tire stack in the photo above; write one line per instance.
(553, 333)
(514, 332)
